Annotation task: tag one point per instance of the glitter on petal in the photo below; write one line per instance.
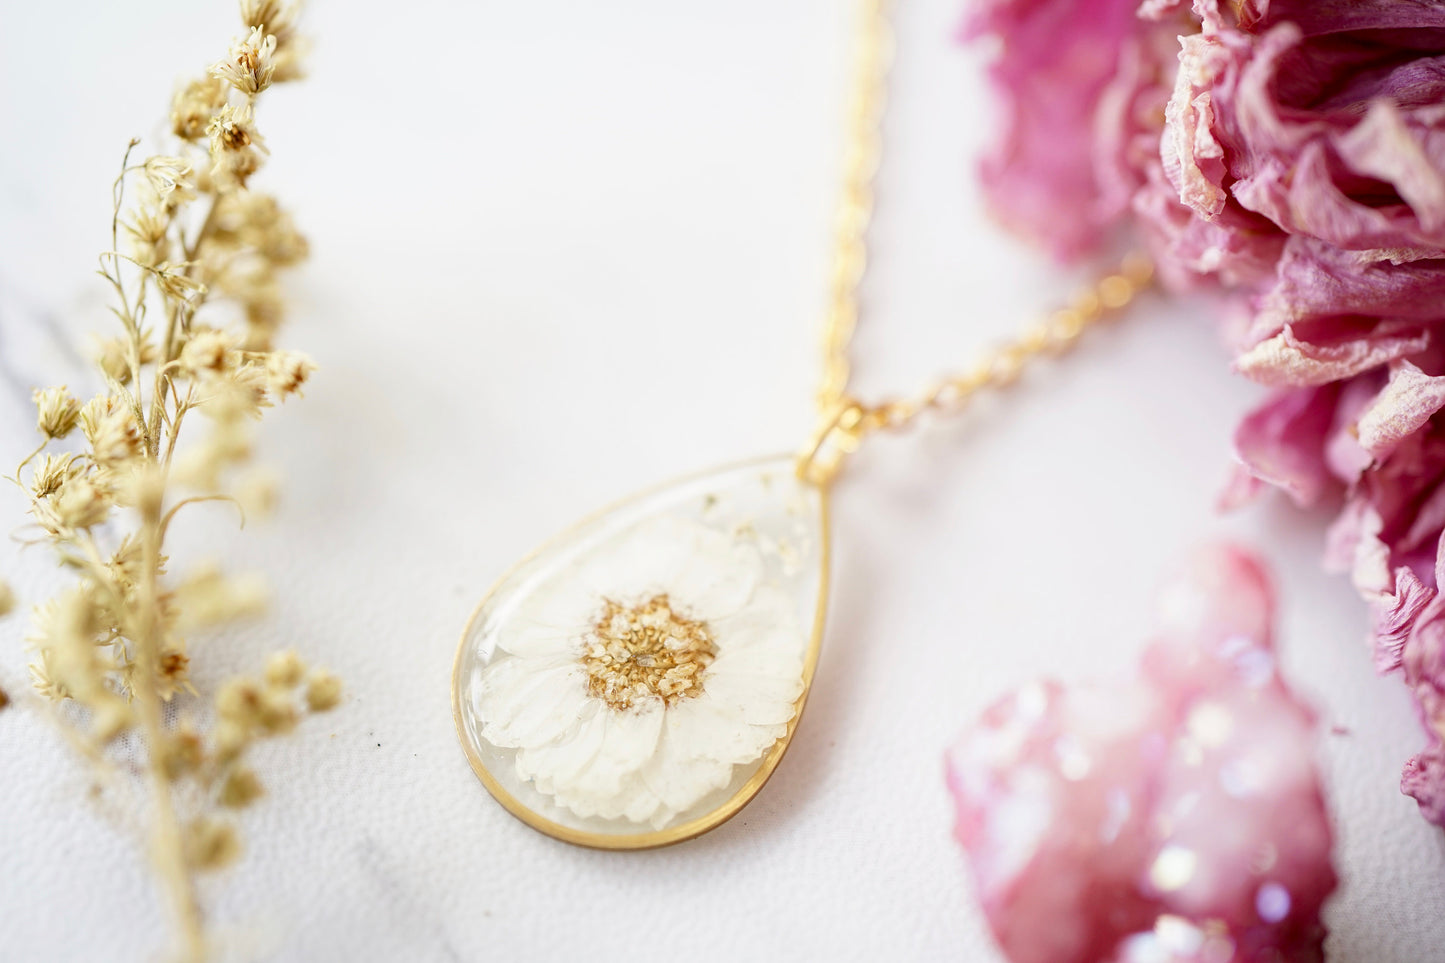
(1128, 864)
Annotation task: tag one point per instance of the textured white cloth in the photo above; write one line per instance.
(564, 250)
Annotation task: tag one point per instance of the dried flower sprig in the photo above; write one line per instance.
(192, 245)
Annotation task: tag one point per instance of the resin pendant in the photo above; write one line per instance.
(635, 681)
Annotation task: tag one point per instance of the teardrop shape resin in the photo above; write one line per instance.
(635, 681)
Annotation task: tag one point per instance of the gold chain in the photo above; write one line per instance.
(845, 419)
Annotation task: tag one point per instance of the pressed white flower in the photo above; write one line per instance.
(633, 688)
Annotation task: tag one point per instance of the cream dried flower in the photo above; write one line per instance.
(211, 844)
(7, 599)
(255, 220)
(258, 494)
(208, 597)
(255, 289)
(323, 691)
(208, 351)
(80, 503)
(255, 708)
(111, 428)
(287, 371)
(242, 392)
(175, 281)
(113, 355)
(127, 564)
(184, 753)
(170, 178)
(195, 104)
(278, 19)
(149, 232)
(285, 669)
(250, 64)
(58, 412)
(273, 16)
(240, 788)
(173, 672)
(43, 677)
(236, 146)
(52, 472)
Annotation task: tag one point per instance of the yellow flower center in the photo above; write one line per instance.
(649, 649)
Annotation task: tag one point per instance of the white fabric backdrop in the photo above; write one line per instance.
(564, 250)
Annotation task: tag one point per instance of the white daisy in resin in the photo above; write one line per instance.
(632, 687)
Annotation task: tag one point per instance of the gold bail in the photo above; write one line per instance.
(835, 438)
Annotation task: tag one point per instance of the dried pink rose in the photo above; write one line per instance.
(1377, 437)
(1300, 169)
(1084, 86)
(1177, 817)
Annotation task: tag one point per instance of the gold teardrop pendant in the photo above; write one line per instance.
(635, 681)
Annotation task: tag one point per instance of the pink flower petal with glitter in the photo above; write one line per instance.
(1091, 816)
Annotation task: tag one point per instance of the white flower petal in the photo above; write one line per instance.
(704, 728)
(757, 700)
(629, 740)
(642, 564)
(680, 781)
(634, 801)
(534, 640)
(641, 804)
(563, 760)
(525, 702)
(767, 616)
(718, 579)
(552, 623)
(778, 657)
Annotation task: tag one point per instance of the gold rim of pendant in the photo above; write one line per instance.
(651, 839)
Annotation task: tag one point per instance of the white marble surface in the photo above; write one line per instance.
(562, 250)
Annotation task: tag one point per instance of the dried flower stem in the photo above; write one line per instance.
(115, 642)
(168, 848)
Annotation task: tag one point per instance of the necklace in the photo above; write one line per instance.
(635, 681)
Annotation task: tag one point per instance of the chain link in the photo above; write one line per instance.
(845, 419)
(872, 59)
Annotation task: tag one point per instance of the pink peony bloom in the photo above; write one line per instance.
(1084, 93)
(1177, 817)
(1300, 169)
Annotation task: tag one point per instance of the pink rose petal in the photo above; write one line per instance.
(1409, 400)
